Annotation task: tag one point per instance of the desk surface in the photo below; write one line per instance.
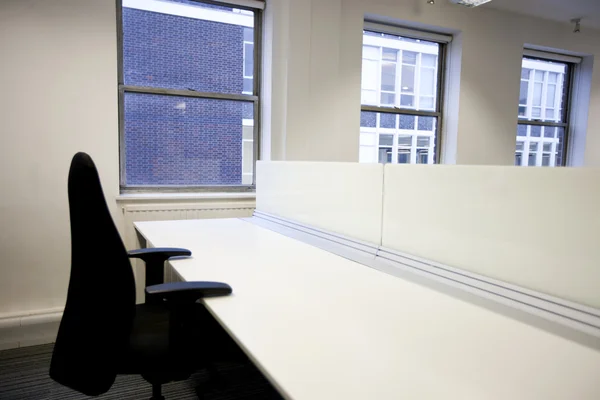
(323, 327)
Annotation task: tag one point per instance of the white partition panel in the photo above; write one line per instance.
(538, 228)
(345, 198)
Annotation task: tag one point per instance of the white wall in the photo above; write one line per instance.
(317, 60)
(59, 95)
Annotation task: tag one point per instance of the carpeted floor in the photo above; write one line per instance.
(24, 376)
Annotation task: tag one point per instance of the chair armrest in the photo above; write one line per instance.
(188, 292)
(158, 253)
(155, 262)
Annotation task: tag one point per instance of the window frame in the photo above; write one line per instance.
(254, 98)
(566, 112)
(443, 42)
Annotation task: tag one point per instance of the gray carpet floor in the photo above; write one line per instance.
(24, 376)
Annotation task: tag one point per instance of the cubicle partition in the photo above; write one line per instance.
(528, 234)
(339, 197)
(538, 228)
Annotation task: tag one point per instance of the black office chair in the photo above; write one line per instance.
(102, 332)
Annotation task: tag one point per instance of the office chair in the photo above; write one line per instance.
(103, 332)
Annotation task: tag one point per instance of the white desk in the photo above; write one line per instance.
(322, 327)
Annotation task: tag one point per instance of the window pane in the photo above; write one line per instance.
(545, 160)
(520, 146)
(550, 114)
(525, 72)
(536, 112)
(248, 85)
(549, 131)
(184, 52)
(388, 76)
(547, 147)
(518, 159)
(408, 79)
(427, 81)
(407, 122)
(524, 92)
(422, 156)
(385, 155)
(403, 157)
(388, 99)
(386, 140)
(550, 95)
(423, 141)
(390, 54)
(560, 134)
(537, 94)
(539, 76)
(426, 103)
(248, 34)
(426, 124)
(522, 130)
(368, 119)
(536, 131)
(428, 60)
(172, 140)
(248, 161)
(248, 59)
(247, 111)
(409, 57)
(532, 154)
(387, 120)
(407, 100)
(404, 140)
(553, 77)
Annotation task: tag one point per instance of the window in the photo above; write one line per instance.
(401, 95)
(543, 110)
(188, 94)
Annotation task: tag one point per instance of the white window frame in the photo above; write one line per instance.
(370, 136)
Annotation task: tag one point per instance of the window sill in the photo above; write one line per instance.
(136, 197)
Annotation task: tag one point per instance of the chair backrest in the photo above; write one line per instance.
(96, 323)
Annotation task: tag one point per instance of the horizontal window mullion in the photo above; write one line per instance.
(543, 123)
(403, 111)
(188, 93)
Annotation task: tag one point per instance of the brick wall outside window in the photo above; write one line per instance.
(173, 140)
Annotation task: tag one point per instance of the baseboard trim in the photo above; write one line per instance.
(29, 329)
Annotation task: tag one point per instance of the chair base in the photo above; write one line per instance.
(157, 392)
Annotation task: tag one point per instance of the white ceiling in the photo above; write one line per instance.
(558, 10)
